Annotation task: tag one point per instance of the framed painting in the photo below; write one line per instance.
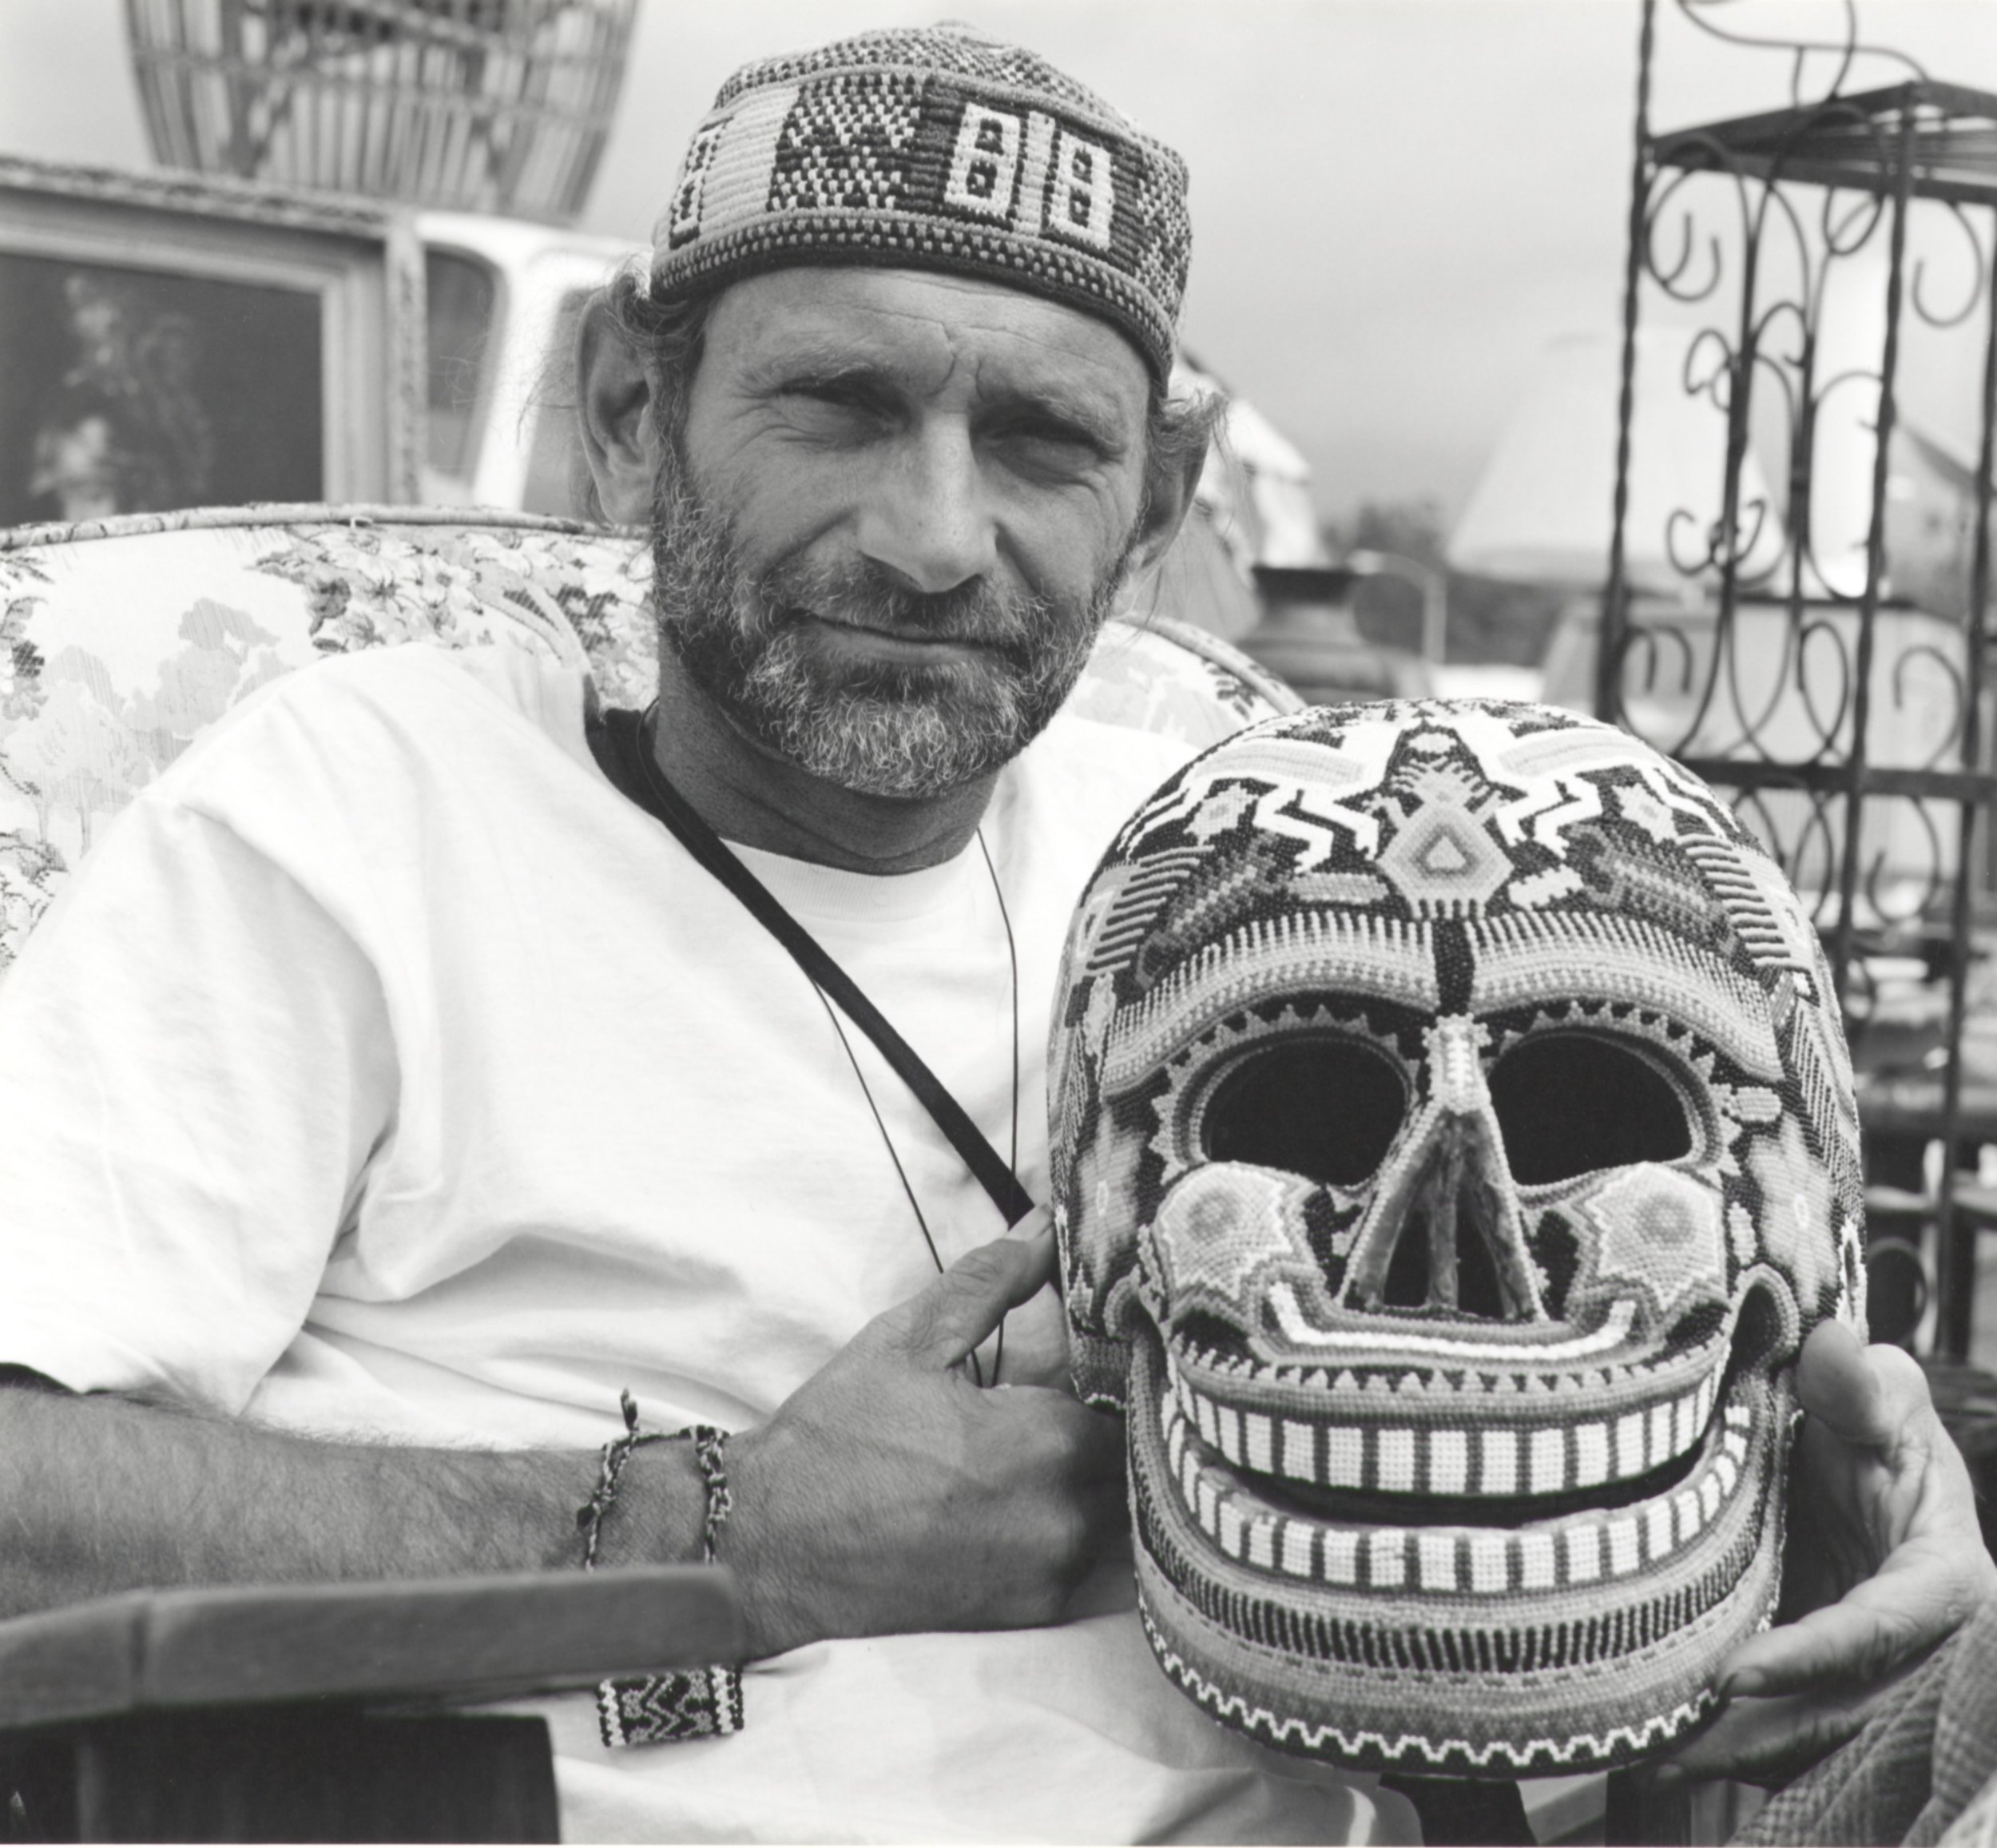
(168, 341)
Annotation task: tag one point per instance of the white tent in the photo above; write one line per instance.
(1542, 511)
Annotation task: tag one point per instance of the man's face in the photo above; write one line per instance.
(898, 515)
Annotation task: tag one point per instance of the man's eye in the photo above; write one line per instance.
(830, 392)
(840, 393)
(833, 408)
(1049, 443)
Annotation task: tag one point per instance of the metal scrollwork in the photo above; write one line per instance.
(1846, 50)
(1980, 277)
(1792, 626)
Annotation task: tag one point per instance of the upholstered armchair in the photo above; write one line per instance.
(121, 641)
(325, 1712)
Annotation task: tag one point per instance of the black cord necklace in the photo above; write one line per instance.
(625, 738)
(888, 1141)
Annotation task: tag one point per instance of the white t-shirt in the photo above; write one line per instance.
(385, 1071)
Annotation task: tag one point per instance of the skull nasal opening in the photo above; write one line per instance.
(1443, 1235)
(1453, 1249)
(1416, 1279)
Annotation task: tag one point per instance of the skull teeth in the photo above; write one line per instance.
(1428, 1459)
(1584, 1550)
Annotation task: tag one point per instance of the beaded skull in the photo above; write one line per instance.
(1454, 1141)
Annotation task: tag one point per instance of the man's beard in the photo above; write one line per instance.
(885, 728)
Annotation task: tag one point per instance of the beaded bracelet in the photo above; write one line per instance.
(689, 1703)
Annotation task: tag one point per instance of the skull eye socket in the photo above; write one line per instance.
(1326, 1109)
(1569, 1103)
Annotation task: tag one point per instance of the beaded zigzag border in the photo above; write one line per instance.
(1407, 1751)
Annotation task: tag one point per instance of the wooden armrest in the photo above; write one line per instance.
(460, 1639)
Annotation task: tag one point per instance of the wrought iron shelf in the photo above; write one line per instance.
(1948, 134)
(1834, 778)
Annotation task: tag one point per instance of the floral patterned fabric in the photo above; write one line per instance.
(121, 640)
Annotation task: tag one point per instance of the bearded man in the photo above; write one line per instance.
(445, 1095)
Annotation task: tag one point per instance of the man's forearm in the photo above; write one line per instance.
(887, 1493)
(99, 1494)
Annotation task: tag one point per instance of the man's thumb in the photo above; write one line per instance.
(942, 1324)
(1871, 1397)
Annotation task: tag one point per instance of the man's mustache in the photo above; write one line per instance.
(865, 594)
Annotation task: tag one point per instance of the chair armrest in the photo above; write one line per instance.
(459, 1639)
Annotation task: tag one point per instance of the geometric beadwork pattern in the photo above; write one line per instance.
(933, 148)
(1454, 1142)
(660, 1709)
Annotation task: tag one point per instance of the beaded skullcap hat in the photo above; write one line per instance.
(933, 148)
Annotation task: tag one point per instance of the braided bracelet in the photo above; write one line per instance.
(709, 1446)
(588, 1518)
(689, 1703)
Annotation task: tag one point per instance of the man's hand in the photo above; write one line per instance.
(1884, 1561)
(890, 1493)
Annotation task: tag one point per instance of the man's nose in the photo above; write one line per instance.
(925, 515)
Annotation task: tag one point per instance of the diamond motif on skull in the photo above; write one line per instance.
(1454, 1141)
(1444, 858)
(1657, 1233)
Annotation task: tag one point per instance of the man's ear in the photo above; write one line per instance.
(1168, 485)
(614, 410)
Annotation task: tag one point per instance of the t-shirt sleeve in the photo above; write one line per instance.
(196, 1064)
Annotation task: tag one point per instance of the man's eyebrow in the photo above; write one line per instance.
(812, 364)
(1093, 415)
(1070, 406)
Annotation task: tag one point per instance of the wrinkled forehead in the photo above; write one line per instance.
(918, 335)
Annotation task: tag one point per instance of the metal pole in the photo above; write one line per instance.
(1845, 930)
(1609, 636)
(1956, 1249)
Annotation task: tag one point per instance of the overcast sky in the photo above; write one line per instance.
(1397, 204)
